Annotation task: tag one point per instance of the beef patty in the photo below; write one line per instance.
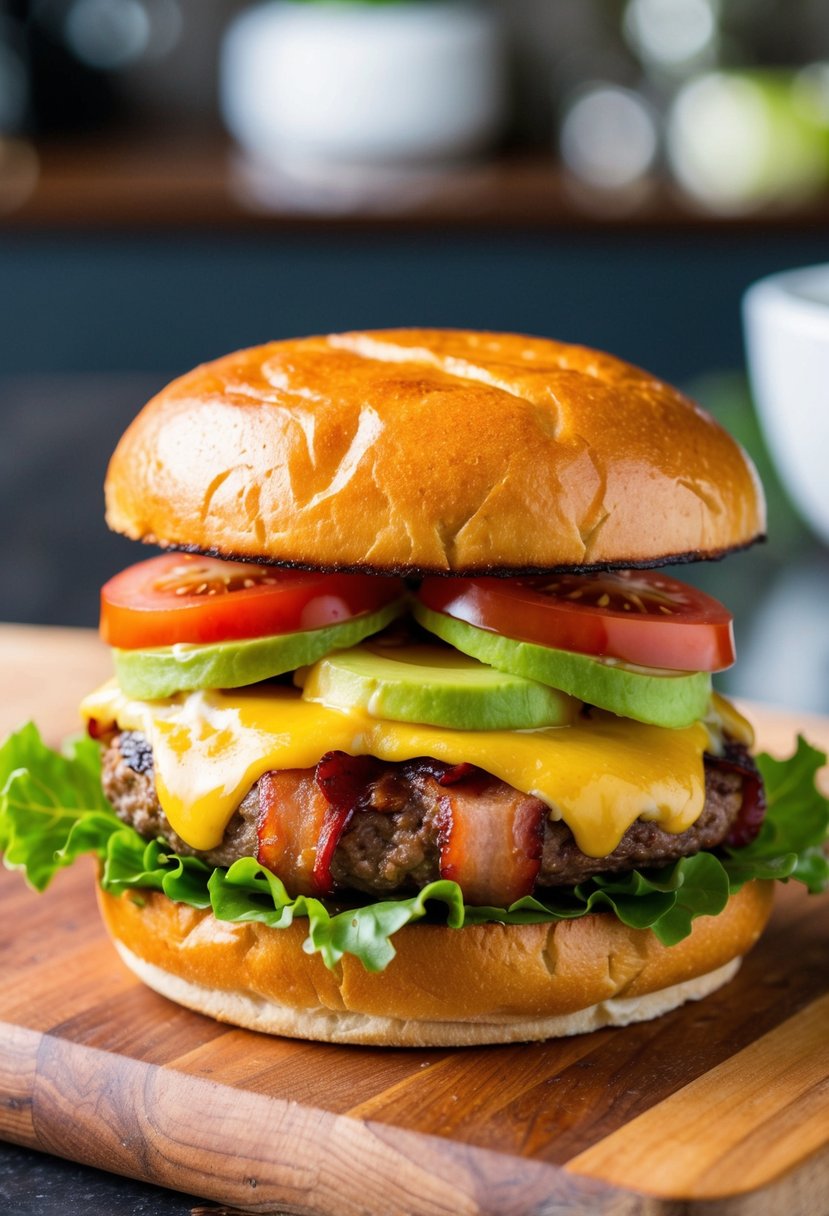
(392, 841)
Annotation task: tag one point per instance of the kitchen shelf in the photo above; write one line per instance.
(201, 184)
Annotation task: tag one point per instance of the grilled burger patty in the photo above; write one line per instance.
(397, 821)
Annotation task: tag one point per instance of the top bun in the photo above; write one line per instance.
(416, 450)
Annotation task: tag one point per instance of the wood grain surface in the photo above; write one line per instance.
(720, 1107)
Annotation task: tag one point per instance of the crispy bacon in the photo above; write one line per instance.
(752, 810)
(488, 837)
(446, 774)
(292, 814)
(489, 843)
(344, 782)
(335, 822)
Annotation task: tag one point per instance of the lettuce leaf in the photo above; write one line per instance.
(52, 809)
(796, 827)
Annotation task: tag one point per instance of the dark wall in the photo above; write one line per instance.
(670, 302)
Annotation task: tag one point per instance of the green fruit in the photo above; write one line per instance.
(434, 685)
(151, 674)
(660, 699)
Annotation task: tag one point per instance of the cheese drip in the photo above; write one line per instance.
(598, 775)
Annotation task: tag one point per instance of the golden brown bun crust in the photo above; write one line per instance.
(435, 450)
(484, 983)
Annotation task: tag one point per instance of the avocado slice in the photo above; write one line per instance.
(658, 698)
(435, 685)
(149, 675)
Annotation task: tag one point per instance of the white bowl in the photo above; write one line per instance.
(361, 83)
(786, 320)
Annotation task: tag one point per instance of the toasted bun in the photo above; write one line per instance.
(432, 450)
(445, 987)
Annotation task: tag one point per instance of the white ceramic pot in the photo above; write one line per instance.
(419, 81)
(786, 320)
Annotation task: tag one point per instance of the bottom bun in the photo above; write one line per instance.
(258, 1013)
(445, 987)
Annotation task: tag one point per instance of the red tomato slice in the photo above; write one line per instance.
(182, 597)
(639, 616)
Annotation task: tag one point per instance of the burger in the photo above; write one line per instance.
(411, 740)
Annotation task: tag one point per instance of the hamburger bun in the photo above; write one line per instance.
(410, 452)
(416, 451)
(482, 984)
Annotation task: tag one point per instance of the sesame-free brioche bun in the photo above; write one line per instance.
(488, 983)
(432, 450)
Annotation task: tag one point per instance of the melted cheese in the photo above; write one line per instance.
(598, 775)
(725, 719)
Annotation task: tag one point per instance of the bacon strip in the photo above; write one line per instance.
(292, 813)
(752, 811)
(490, 841)
(344, 782)
(445, 774)
(302, 815)
(489, 844)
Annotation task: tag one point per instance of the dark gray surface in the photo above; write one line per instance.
(34, 1184)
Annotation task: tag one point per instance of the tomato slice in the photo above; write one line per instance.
(638, 616)
(182, 597)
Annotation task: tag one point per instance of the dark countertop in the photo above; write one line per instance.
(34, 1184)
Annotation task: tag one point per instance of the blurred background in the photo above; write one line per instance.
(182, 177)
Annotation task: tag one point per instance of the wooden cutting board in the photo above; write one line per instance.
(720, 1107)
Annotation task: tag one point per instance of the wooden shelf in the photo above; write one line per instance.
(202, 185)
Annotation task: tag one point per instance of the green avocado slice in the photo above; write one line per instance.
(435, 685)
(660, 699)
(149, 675)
